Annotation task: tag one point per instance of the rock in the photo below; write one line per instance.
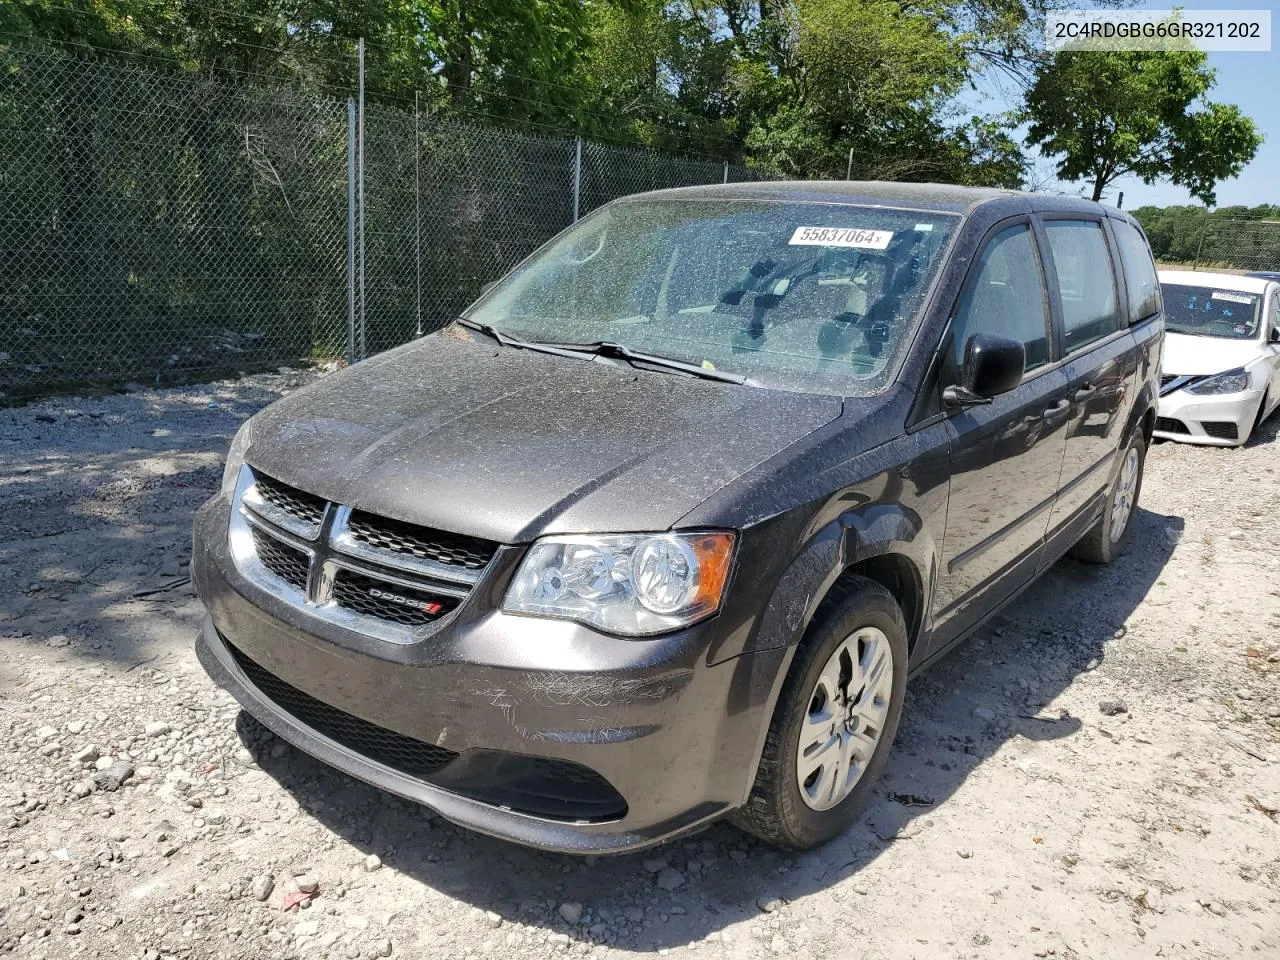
(670, 879)
(58, 641)
(382, 948)
(1113, 708)
(45, 732)
(87, 754)
(1235, 535)
(156, 728)
(494, 919)
(655, 864)
(1244, 693)
(103, 762)
(306, 883)
(769, 904)
(113, 776)
(262, 886)
(964, 854)
(76, 727)
(306, 928)
(571, 912)
(82, 789)
(984, 713)
(372, 862)
(633, 914)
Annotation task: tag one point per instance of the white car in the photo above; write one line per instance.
(1221, 373)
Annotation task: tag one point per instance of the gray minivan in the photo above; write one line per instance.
(656, 532)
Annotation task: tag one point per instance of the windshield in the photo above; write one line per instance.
(1208, 312)
(800, 296)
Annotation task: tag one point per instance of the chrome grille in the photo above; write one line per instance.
(393, 536)
(305, 507)
(383, 577)
(378, 598)
(287, 562)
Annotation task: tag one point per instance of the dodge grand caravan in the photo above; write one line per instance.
(655, 533)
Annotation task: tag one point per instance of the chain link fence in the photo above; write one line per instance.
(157, 226)
(1235, 244)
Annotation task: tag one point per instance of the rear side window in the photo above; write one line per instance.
(1139, 272)
(1079, 251)
(1005, 295)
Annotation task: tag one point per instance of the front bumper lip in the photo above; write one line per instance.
(551, 835)
(1193, 409)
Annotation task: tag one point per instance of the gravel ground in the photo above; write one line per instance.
(1095, 775)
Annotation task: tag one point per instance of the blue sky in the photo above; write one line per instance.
(1249, 80)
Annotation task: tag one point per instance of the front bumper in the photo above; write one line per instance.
(1207, 419)
(678, 739)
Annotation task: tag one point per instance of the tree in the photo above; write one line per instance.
(1110, 113)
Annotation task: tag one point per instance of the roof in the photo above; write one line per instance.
(943, 197)
(1223, 281)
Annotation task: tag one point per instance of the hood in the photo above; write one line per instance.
(506, 444)
(1188, 356)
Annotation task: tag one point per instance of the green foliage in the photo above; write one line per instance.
(794, 85)
(1235, 237)
(1108, 114)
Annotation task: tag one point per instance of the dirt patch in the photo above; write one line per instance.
(1095, 775)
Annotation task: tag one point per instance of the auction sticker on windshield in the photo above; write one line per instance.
(840, 237)
(1232, 297)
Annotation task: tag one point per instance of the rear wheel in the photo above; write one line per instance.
(835, 720)
(1103, 543)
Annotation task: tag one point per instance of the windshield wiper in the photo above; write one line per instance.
(506, 340)
(607, 348)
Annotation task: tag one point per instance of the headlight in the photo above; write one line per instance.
(1233, 381)
(235, 459)
(628, 584)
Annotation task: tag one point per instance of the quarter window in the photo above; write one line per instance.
(1085, 280)
(1006, 296)
(1139, 271)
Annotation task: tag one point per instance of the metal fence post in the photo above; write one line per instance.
(726, 171)
(364, 320)
(351, 230)
(848, 170)
(417, 214)
(1200, 245)
(577, 176)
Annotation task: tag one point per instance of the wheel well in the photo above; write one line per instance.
(898, 575)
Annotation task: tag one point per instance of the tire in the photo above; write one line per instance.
(1262, 415)
(776, 811)
(1101, 544)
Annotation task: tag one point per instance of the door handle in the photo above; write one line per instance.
(1057, 412)
(1084, 393)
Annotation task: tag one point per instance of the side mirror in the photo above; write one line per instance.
(993, 365)
(1275, 334)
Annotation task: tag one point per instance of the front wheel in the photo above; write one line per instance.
(835, 720)
(1103, 543)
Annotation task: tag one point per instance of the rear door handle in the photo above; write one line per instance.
(1057, 412)
(1084, 393)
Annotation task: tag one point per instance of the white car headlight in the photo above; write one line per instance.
(235, 459)
(633, 584)
(1233, 381)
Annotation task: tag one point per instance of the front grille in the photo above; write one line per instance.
(286, 562)
(306, 507)
(417, 758)
(1170, 425)
(400, 576)
(1167, 379)
(389, 601)
(451, 549)
(1220, 429)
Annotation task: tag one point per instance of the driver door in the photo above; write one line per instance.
(1007, 455)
